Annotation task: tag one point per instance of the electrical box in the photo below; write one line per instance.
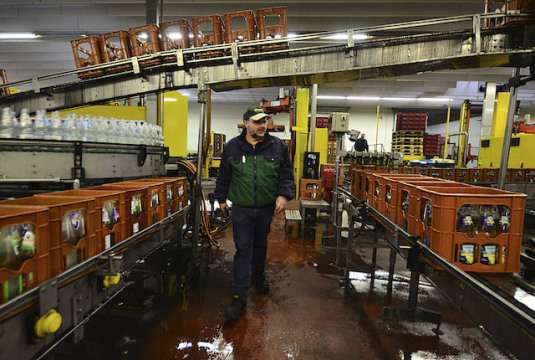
(311, 165)
(339, 122)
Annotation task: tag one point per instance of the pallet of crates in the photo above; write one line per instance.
(24, 249)
(477, 229)
(136, 201)
(72, 237)
(110, 208)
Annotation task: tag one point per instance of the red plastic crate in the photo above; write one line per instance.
(461, 239)
(110, 227)
(136, 200)
(71, 241)
(310, 189)
(87, 52)
(26, 264)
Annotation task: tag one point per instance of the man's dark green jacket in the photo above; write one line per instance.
(253, 177)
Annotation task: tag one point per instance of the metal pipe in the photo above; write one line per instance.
(377, 131)
(198, 188)
(513, 92)
(447, 131)
(313, 109)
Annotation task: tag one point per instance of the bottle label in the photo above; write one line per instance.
(467, 221)
(75, 220)
(105, 216)
(488, 255)
(115, 214)
(488, 221)
(504, 221)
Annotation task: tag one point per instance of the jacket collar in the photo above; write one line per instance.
(267, 138)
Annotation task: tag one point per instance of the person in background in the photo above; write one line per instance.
(361, 144)
(256, 174)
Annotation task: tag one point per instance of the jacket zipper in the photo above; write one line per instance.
(255, 185)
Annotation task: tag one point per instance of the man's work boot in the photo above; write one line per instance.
(262, 285)
(236, 309)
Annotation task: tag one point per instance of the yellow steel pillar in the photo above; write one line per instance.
(175, 123)
(301, 132)
(447, 131)
(321, 144)
(463, 133)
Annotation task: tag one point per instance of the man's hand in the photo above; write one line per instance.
(224, 207)
(280, 204)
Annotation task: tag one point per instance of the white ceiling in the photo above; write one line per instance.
(61, 21)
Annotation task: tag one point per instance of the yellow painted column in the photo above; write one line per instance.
(301, 133)
(175, 123)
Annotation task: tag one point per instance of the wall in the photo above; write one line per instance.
(226, 117)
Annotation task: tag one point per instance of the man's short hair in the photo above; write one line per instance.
(255, 114)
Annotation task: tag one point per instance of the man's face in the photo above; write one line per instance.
(256, 129)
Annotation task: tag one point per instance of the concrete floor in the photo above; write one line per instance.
(306, 315)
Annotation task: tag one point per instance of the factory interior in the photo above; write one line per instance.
(135, 135)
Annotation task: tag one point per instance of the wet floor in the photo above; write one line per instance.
(306, 314)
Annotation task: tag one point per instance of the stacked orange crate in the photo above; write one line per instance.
(110, 211)
(136, 201)
(475, 228)
(72, 238)
(24, 256)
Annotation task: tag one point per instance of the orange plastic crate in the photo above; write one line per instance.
(178, 190)
(116, 46)
(213, 37)
(28, 263)
(146, 40)
(87, 52)
(386, 194)
(516, 175)
(461, 175)
(495, 249)
(435, 172)
(268, 29)
(310, 189)
(530, 175)
(475, 175)
(156, 198)
(447, 174)
(181, 27)
(69, 244)
(110, 228)
(233, 34)
(136, 201)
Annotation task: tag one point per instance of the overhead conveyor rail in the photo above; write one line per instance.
(466, 45)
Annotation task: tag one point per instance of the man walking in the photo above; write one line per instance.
(256, 174)
(361, 144)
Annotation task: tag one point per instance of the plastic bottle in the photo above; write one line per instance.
(505, 219)
(7, 129)
(26, 130)
(488, 223)
(465, 222)
(40, 126)
(427, 213)
(56, 127)
(70, 132)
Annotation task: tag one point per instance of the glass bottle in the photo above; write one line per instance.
(505, 219)
(488, 223)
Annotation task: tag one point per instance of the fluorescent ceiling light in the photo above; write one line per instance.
(344, 37)
(377, 98)
(18, 36)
